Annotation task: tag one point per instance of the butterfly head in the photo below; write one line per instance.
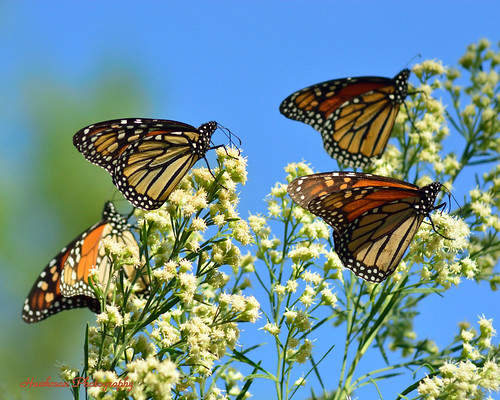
(431, 191)
(115, 219)
(203, 144)
(401, 83)
(209, 128)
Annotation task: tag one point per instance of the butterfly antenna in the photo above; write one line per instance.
(229, 135)
(413, 58)
(450, 196)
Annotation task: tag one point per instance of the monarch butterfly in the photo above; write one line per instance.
(374, 218)
(145, 157)
(355, 116)
(63, 284)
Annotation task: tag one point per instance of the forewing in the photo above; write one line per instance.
(103, 143)
(312, 187)
(315, 104)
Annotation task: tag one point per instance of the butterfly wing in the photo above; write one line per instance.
(373, 230)
(45, 298)
(355, 116)
(306, 188)
(89, 253)
(63, 284)
(104, 142)
(374, 218)
(151, 169)
(146, 158)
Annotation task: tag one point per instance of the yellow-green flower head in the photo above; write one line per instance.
(294, 170)
(304, 352)
(430, 67)
(273, 329)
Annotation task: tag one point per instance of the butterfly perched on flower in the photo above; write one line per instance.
(374, 218)
(145, 157)
(63, 283)
(355, 116)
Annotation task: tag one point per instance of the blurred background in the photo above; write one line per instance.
(65, 65)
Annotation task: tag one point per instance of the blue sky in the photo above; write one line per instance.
(233, 62)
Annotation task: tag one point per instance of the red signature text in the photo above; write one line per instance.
(79, 381)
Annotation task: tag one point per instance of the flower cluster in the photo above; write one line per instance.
(420, 134)
(179, 338)
(299, 263)
(185, 312)
(465, 379)
(153, 378)
(443, 250)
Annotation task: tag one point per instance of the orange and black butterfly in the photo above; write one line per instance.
(355, 116)
(374, 218)
(63, 284)
(145, 157)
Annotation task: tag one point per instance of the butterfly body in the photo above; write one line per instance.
(145, 157)
(373, 218)
(355, 116)
(63, 284)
